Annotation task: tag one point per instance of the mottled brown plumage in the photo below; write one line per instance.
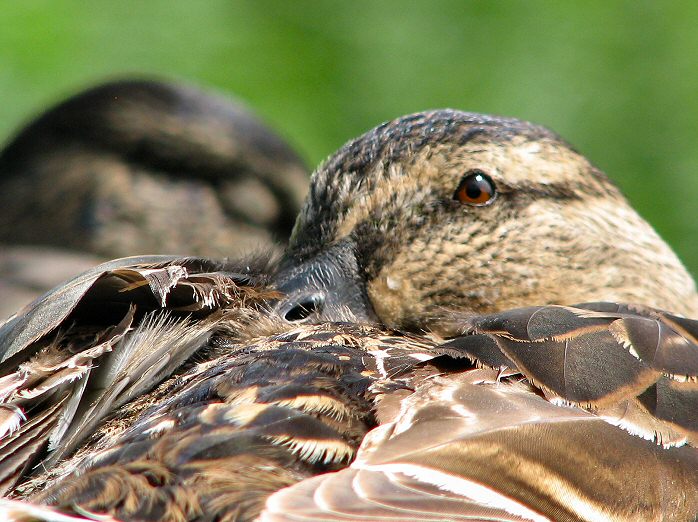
(486, 411)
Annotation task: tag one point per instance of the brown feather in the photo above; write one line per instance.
(539, 413)
(470, 447)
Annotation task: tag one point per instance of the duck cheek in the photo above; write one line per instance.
(394, 299)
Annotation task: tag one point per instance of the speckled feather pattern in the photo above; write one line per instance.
(556, 219)
(474, 390)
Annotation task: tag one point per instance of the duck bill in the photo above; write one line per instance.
(327, 287)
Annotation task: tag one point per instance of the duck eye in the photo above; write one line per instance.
(476, 188)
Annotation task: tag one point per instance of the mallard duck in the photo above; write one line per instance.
(416, 354)
(108, 172)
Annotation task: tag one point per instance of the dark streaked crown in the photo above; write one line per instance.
(354, 169)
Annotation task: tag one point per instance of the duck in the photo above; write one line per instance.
(469, 322)
(108, 171)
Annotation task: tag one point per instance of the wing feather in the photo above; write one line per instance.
(104, 338)
(593, 419)
(503, 453)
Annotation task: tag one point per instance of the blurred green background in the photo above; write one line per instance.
(617, 79)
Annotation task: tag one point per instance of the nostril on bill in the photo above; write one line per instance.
(304, 308)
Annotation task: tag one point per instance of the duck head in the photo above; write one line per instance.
(449, 211)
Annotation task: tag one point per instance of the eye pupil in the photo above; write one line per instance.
(472, 187)
(476, 188)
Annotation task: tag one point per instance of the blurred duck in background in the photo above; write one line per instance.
(140, 167)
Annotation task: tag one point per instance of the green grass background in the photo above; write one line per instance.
(617, 79)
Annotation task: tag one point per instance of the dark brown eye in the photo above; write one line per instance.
(476, 188)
